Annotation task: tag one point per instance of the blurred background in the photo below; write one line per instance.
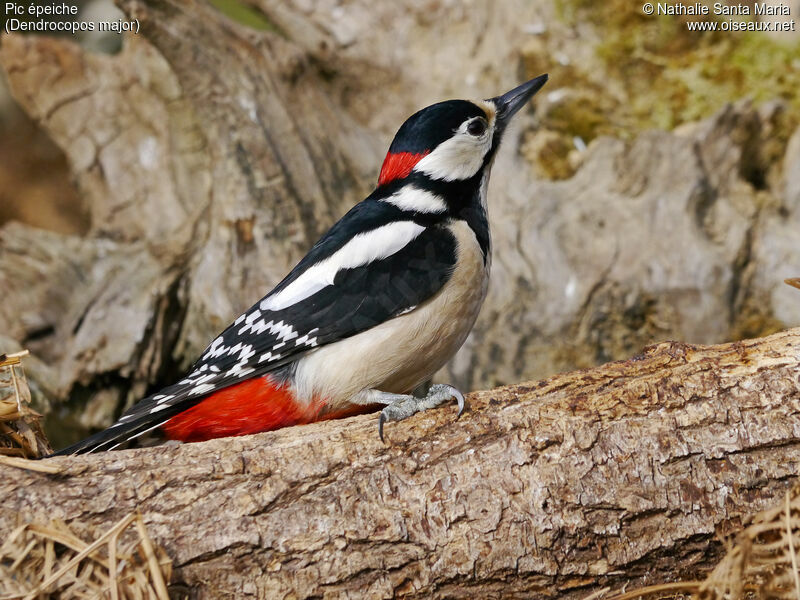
(152, 186)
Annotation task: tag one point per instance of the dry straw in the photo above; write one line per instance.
(38, 562)
(763, 561)
(21, 434)
(50, 561)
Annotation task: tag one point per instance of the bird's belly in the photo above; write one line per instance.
(405, 351)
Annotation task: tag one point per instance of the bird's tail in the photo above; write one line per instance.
(116, 435)
(252, 406)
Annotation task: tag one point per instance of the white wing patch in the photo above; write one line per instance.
(361, 250)
(412, 198)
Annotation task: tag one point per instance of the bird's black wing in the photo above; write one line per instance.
(269, 336)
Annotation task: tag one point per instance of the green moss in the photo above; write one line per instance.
(668, 75)
(549, 152)
(583, 114)
(243, 14)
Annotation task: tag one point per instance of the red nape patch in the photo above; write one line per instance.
(252, 406)
(398, 165)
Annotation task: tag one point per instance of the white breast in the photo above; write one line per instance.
(403, 352)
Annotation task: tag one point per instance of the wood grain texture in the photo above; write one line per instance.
(626, 472)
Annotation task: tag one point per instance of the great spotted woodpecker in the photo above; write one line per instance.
(376, 307)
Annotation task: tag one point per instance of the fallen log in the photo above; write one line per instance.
(628, 473)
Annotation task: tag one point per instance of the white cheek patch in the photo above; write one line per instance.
(458, 158)
(363, 249)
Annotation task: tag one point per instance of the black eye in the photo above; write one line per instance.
(476, 127)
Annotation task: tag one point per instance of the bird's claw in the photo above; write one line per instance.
(381, 421)
(460, 399)
(405, 406)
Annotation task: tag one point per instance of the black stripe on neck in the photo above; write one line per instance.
(463, 198)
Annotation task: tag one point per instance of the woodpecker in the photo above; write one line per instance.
(380, 303)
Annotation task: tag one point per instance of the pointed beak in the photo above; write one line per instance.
(509, 103)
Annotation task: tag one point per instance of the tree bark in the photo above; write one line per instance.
(625, 473)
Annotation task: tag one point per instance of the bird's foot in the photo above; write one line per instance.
(403, 406)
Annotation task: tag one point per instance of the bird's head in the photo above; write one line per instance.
(455, 139)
